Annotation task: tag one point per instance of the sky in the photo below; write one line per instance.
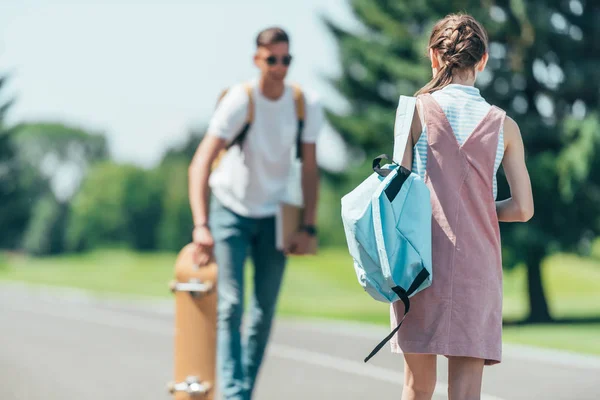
(145, 73)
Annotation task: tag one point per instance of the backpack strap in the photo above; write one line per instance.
(300, 115)
(239, 139)
(404, 296)
(404, 117)
(223, 93)
(300, 106)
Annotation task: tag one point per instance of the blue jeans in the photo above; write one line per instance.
(238, 362)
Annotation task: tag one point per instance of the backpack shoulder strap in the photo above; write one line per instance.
(299, 102)
(239, 139)
(248, 89)
(300, 106)
(250, 113)
(223, 93)
(404, 117)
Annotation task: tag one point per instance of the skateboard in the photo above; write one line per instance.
(195, 294)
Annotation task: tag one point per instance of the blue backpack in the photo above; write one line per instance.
(387, 222)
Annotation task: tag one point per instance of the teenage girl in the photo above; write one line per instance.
(458, 142)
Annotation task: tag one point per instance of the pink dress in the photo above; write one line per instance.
(460, 314)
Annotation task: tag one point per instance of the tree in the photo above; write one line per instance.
(117, 204)
(15, 183)
(186, 150)
(97, 214)
(54, 158)
(176, 224)
(45, 232)
(59, 153)
(544, 58)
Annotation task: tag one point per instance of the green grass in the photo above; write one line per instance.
(106, 271)
(325, 287)
(572, 286)
(583, 338)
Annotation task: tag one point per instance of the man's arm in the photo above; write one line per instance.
(225, 124)
(310, 171)
(301, 243)
(198, 174)
(310, 182)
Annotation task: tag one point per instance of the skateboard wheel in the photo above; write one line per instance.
(193, 286)
(191, 386)
(197, 389)
(171, 387)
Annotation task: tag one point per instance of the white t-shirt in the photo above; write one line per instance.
(252, 182)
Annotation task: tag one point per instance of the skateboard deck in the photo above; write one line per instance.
(195, 294)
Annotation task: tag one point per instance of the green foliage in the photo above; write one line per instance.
(59, 154)
(127, 205)
(331, 230)
(116, 204)
(185, 151)
(97, 212)
(50, 160)
(54, 143)
(143, 207)
(176, 224)
(14, 183)
(544, 73)
(45, 233)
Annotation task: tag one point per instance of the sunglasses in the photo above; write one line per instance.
(285, 60)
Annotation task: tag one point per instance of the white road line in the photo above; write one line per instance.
(352, 367)
(119, 320)
(350, 329)
(513, 351)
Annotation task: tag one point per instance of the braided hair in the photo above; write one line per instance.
(461, 42)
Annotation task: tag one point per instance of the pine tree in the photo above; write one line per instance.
(15, 208)
(543, 70)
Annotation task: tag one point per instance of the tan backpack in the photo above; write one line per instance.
(241, 136)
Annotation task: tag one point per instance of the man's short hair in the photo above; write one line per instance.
(271, 36)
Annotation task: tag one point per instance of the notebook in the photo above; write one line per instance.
(288, 222)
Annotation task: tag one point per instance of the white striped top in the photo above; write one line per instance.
(464, 108)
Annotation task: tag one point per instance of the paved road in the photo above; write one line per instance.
(57, 346)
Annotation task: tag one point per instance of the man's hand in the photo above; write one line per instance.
(301, 244)
(204, 245)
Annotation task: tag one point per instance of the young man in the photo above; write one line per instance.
(247, 186)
